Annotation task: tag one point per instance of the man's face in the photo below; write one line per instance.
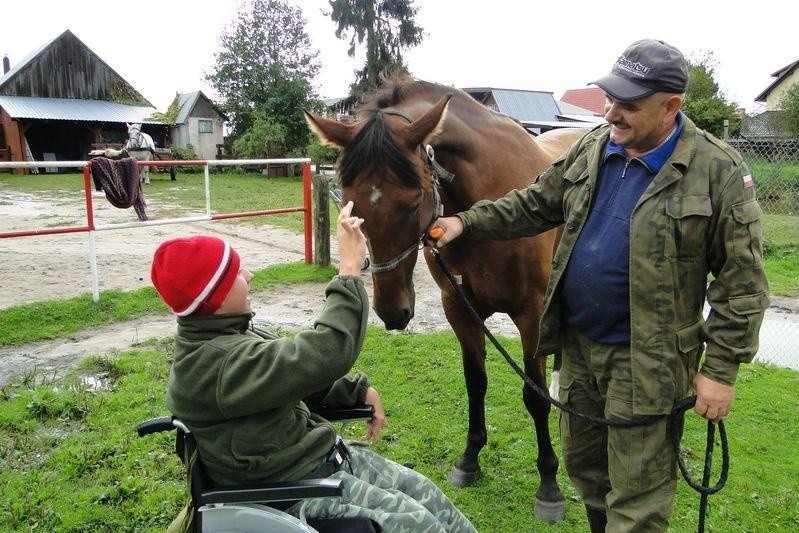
(639, 125)
(238, 300)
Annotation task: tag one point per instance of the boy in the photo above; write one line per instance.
(242, 391)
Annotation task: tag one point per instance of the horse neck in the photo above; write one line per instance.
(489, 157)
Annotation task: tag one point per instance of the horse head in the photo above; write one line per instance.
(383, 169)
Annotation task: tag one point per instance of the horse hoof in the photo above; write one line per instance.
(462, 478)
(550, 512)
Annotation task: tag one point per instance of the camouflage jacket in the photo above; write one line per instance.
(698, 217)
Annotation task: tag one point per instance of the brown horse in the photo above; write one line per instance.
(385, 168)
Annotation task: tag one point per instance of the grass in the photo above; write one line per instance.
(781, 250)
(70, 460)
(61, 318)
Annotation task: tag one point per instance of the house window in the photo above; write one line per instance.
(206, 126)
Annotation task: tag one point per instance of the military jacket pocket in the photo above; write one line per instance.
(688, 218)
(747, 233)
(748, 311)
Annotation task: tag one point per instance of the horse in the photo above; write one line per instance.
(140, 146)
(396, 164)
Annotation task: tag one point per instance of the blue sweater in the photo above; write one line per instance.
(596, 283)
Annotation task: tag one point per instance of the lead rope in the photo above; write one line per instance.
(673, 427)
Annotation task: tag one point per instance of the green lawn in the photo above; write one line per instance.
(70, 459)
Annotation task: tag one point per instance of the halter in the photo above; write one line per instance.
(438, 172)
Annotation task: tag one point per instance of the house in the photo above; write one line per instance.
(537, 111)
(62, 99)
(199, 123)
(784, 78)
(591, 98)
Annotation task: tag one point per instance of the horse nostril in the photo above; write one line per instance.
(396, 319)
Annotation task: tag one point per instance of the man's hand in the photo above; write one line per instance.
(351, 242)
(713, 399)
(378, 421)
(445, 230)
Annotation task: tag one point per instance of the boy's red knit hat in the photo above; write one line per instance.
(193, 275)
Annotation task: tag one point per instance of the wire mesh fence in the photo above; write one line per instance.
(774, 165)
(775, 169)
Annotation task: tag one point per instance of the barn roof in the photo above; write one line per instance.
(73, 109)
(64, 67)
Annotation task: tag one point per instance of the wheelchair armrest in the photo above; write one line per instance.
(272, 492)
(155, 425)
(349, 413)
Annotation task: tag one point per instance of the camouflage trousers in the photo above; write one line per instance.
(629, 473)
(399, 499)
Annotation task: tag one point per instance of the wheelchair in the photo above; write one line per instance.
(259, 507)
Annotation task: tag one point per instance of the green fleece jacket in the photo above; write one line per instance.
(241, 390)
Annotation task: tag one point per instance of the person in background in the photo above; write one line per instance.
(658, 216)
(246, 394)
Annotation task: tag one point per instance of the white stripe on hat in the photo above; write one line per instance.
(211, 285)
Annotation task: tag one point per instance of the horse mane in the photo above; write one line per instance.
(374, 148)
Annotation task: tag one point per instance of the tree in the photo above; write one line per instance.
(790, 107)
(704, 102)
(387, 26)
(264, 70)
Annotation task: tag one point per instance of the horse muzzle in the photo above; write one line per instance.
(395, 316)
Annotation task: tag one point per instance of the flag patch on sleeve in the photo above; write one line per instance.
(748, 181)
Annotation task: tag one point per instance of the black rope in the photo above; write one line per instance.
(672, 423)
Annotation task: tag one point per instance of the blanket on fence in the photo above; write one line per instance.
(120, 181)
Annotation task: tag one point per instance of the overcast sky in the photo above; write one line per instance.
(165, 46)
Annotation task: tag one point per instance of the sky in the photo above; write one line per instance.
(167, 46)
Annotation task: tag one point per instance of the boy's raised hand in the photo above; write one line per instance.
(351, 242)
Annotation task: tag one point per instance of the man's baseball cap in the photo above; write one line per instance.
(646, 67)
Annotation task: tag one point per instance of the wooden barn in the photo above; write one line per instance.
(62, 99)
(198, 123)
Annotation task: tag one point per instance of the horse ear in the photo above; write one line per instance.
(330, 132)
(429, 124)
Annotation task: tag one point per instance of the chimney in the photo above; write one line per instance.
(6, 64)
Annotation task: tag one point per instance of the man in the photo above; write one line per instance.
(244, 393)
(650, 206)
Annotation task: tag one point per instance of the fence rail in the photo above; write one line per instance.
(91, 228)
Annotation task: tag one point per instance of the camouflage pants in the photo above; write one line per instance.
(630, 473)
(399, 499)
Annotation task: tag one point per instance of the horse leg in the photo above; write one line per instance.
(472, 340)
(549, 503)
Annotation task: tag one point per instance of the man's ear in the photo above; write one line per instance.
(673, 105)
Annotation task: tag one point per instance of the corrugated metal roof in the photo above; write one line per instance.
(186, 103)
(526, 105)
(73, 109)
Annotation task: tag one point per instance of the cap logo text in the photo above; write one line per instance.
(633, 67)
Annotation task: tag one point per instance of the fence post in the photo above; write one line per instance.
(321, 188)
(307, 208)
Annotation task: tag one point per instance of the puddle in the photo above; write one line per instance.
(98, 382)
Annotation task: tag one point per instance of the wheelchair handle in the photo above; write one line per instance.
(162, 423)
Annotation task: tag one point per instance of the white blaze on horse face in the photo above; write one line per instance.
(374, 198)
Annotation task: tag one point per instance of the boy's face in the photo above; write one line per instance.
(237, 300)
